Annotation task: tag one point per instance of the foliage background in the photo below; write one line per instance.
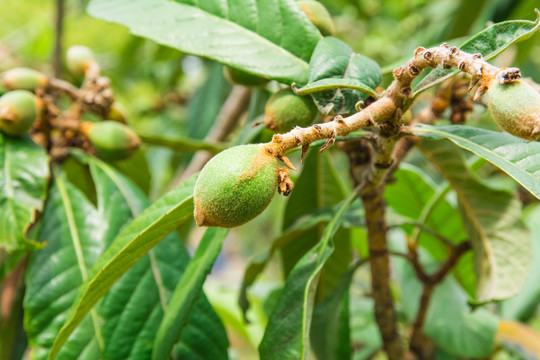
(165, 91)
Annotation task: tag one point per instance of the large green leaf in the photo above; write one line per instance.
(517, 157)
(287, 333)
(334, 59)
(24, 172)
(450, 322)
(129, 246)
(186, 293)
(492, 220)
(330, 331)
(523, 305)
(74, 233)
(415, 196)
(489, 42)
(273, 39)
(319, 186)
(134, 306)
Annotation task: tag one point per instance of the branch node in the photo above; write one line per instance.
(277, 138)
(419, 51)
(398, 72)
(413, 70)
(330, 141)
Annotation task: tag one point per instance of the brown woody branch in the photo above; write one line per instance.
(430, 281)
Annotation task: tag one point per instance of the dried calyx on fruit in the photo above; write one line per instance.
(515, 106)
(235, 186)
(18, 112)
(284, 110)
(23, 79)
(319, 16)
(111, 140)
(79, 59)
(240, 77)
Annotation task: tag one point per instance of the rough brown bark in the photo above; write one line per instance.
(385, 314)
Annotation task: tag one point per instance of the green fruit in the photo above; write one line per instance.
(23, 79)
(319, 16)
(236, 76)
(18, 112)
(79, 58)
(117, 113)
(284, 110)
(516, 108)
(111, 140)
(235, 186)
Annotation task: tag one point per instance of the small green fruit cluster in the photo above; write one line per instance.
(111, 140)
(319, 16)
(284, 110)
(239, 77)
(18, 112)
(235, 186)
(79, 58)
(23, 79)
(516, 108)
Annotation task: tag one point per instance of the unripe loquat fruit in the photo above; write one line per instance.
(235, 186)
(111, 140)
(284, 110)
(18, 112)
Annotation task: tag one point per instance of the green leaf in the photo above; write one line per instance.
(450, 322)
(490, 42)
(523, 305)
(24, 173)
(516, 157)
(319, 186)
(333, 83)
(272, 39)
(134, 306)
(492, 220)
(334, 59)
(286, 335)
(330, 332)
(365, 336)
(186, 293)
(74, 233)
(129, 246)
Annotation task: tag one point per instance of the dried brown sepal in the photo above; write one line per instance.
(285, 184)
(329, 142)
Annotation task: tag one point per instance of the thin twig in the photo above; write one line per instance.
(57, 56)
(430, 281)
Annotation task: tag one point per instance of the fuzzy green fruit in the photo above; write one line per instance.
(111, 140)
(23, 79)
(79, 58)
(284, 110)
(516, 108)
(18, 112)
(235, 186)
(319, 16)
(236, 76)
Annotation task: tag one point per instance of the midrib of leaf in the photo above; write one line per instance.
(219, 19)
(78, 249)
(153, 263)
